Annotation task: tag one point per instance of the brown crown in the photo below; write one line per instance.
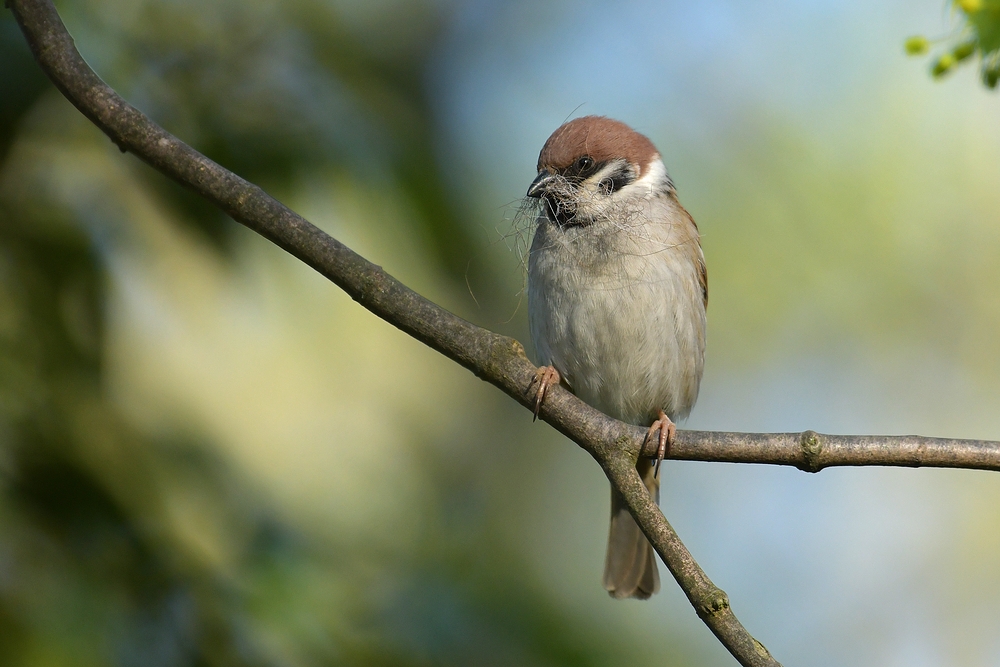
(601, 138)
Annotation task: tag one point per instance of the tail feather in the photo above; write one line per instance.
(630, 566)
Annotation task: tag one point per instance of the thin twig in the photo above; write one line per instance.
(811, 451)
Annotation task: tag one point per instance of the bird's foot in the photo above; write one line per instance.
(667, 430)
(545, 377)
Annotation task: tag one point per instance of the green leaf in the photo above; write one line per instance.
(943, 65)
(963, 51)
(916, 45)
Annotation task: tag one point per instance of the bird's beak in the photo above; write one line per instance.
(541, 183)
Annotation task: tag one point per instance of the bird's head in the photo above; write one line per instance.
(593, 166)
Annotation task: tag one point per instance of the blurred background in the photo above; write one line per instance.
(211, 456)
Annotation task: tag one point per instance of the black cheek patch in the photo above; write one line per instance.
(617, 181)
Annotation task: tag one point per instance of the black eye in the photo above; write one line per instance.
(584, 163)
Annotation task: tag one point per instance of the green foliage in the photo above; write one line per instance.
(979, 33)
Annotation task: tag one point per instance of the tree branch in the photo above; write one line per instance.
(811, 451)
(496, 359)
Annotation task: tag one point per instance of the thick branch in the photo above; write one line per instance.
(494, 358)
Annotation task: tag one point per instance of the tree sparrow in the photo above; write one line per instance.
(617, 291)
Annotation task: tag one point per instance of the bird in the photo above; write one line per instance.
(617, 295)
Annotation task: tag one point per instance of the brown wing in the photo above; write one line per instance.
(702, 269)
(630, 565)
(703, 279)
